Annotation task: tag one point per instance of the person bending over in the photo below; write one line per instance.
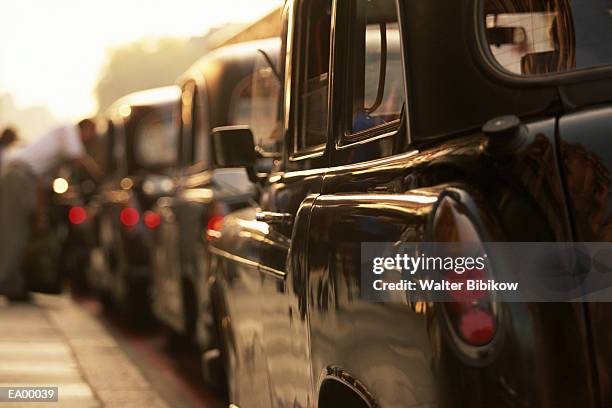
(19, 179)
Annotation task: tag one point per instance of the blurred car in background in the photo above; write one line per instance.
(140, 144)
(234, 85)
(73, 192)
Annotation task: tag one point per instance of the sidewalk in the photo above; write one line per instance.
(51, 342)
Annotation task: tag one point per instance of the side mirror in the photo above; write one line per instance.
(233, 146)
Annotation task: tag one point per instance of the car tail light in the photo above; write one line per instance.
(77, 215)
(151, 219)
(129, 216)
(472, 314)
(215, 224)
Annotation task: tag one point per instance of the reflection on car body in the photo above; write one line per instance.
(291, 325)
(217, 91)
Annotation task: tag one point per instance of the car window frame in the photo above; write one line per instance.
(289, 94)
(200, 131)
(296, 76)
(348, 138)
(494, 70)
(187, 141)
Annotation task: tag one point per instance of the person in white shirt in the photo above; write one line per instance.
(19, 180)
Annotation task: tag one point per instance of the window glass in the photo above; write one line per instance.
(240, 104)
(531, 37)
(186, 142)
(315, 83)
(378, 90)
(264, 119)
(156, 140)
(199, 128)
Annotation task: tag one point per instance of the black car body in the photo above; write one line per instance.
(72, 193)
(216, 91)
(294, 329)
(140, 150)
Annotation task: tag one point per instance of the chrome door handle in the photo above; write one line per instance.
(273, 217)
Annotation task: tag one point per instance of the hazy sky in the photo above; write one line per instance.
(51, 51)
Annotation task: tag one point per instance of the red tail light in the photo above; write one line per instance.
(77, 215)
(129, 217)
(472, 314)
(151, 219)
(215, 224)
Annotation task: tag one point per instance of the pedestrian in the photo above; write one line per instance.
(19, 181)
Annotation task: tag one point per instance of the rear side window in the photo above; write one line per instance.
(193, 125)
(240, 103)
(156, 140)
(535, 37)
(377, 89)
(264, 116)
(314, 87)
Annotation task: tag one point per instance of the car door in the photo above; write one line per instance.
(286, 203)
(380, 188)
(268, 356)
(192, 207)
(181, 215)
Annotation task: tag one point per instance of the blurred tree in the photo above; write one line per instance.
(148, 64)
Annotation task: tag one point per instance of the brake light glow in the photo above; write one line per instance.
(477, 326)
(129, 217)
(472, 314)
(77, 215)
(151, 219)
(215, 224)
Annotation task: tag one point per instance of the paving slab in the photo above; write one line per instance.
(52, 342)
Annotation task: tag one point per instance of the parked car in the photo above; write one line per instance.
(72, 191)
(492, 125)
(61, 235)
(141, 152)
(219, 90)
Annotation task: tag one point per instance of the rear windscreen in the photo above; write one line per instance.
(155, 144)
(535, 37)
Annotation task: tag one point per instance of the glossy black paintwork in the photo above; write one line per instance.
(287, 295)
(120, 261)
(584, 140)
(181, 278)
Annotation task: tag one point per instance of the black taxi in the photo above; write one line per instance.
(231, 86)
(139, 149)
(409, 121)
